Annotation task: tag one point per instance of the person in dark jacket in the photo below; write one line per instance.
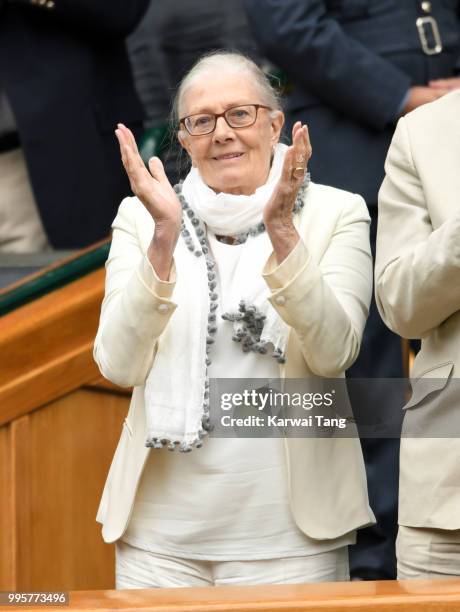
(65, 75)
(355, 66)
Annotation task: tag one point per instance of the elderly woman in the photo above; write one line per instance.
(244, 225)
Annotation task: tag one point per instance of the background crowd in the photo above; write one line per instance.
(70, 70)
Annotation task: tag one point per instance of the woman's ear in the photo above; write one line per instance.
(183, 140)
(277, 122)
(184, 143)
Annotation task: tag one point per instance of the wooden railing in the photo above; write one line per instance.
(388, 596)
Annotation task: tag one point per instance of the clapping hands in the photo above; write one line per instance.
(278, 211)
(151, 186)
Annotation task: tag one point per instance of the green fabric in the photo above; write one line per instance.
(154, 142)
(53, 279)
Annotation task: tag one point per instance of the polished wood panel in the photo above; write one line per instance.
(21, 492)
(63, 453)
(53, 467)
(48, 344)
(7, 561)
(388, 596)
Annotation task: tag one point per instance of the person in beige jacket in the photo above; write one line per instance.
(233, 510)
(418, 295)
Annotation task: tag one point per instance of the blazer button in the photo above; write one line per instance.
(426, 7)
(163, 308)
(280, 300)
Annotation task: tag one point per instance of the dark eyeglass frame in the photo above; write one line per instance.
(224, 115)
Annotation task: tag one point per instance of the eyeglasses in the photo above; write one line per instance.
(236, 117)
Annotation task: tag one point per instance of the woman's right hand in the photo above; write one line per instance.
(152, 188)
(155, 192)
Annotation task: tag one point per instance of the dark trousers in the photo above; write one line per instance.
(373, 557)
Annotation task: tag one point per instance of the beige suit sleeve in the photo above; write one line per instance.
(417, 267)
(327, 304)
(136, 306)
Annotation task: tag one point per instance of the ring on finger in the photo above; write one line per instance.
(298, 171)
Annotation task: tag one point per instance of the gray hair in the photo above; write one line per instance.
(231, 61)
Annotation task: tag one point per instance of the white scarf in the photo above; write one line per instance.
(226, 214)
(177, 389)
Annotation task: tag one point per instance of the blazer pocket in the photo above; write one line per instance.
(429, 382)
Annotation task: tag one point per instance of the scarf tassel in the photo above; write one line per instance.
(184, 447)
(248, 326)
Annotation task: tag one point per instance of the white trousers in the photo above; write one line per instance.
(21, 227)
(139, 569)
(428, 553)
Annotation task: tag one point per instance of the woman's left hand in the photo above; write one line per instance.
(277, 214)
(278, 211)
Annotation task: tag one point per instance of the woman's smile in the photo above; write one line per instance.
(228, 157)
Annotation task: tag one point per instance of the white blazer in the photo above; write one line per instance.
(418, 296)
(326, 285)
